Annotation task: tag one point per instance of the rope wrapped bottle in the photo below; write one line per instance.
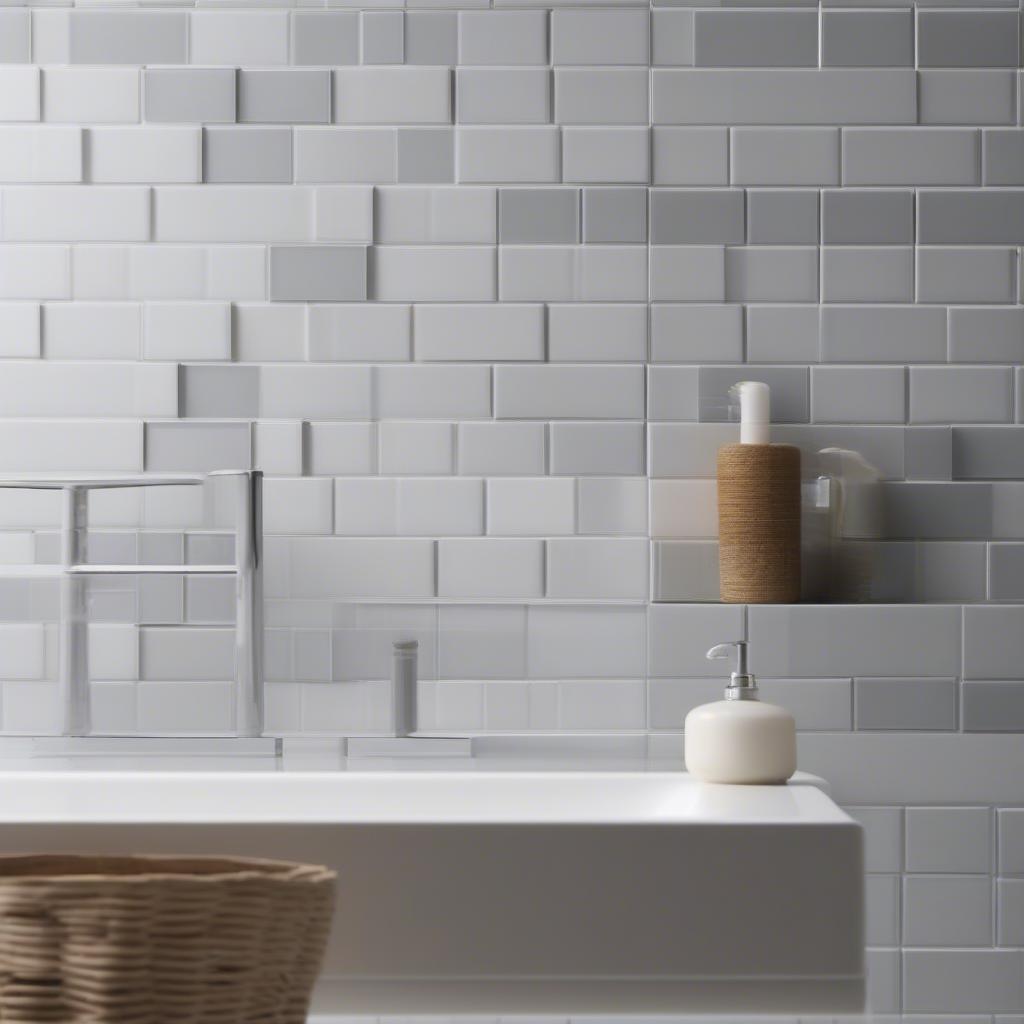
(758, 509)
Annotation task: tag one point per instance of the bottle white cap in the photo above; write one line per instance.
(755, 411)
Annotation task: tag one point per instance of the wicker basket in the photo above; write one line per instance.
(160, 940)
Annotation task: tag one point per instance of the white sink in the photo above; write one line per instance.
(518, 891)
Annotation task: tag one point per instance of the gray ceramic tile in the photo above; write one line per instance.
(788, 391)
(771, 274)
(867, 38)
(615, 215)
(960, 394)
(197, 447)
(883, 837)
(782, 217)
(503, 37)
(937, 510)
(970, 218)
(597, 449)
(15, 37)
(325, 37)
(690, 156)
(988, 453)
(1006, 573)
(947, 911)
(783, 334)
(949, 572)
(688, 332)
(672, 393)
(928, 453)
(986, 334)
(697, 216)
(193, 95)
(755, 39)
(128, 37)
(968, 39)
(426, 155)
(867, 217)
(911, 156)
(685, 570)
(1010, 911)
(382, 37)
(672, 38)
(965, 275)
(881, 447)
(883, 334)
(857, 274)
(785, 156)
(882, 910)
(846, 394)
(679, 636)
(949, 840)
(1008, 510)
(1004, 156)
(671, 700)
(313, 272)
(247, 155)
(431, 37)
(1011, 841)
(284, 95)
(994, 706)
(862, 640)
(952, 981)
(219, 392)
(818, 705)
(993, 642)
(538, 215)
(967, 97)
(900, 704)
(600, 36)
(784, 96)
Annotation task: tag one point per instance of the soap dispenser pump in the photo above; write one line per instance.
(740, 740)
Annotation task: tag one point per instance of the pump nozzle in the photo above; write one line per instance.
(742, 685)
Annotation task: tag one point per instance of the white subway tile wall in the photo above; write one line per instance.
(470, 285)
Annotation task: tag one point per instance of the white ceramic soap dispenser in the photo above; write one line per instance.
(740, 740)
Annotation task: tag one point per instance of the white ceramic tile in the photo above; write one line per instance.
(339, 568)
(297, 506)
(40, 154)
(427, 274)
(612, 505)
(366, 508)
(92, 330)
(490, 568)
(319, 392)
(597, 568)
(232, 214)
(441, 215)
(192, 330)
(239, 37)
(392, 95)
(417, 449)
(157, 155)
(353, 332)
(531, 507)
(71, 213)
(20, 330)
(441, 508)
(585, 642)
(19, 87)
(470, 333)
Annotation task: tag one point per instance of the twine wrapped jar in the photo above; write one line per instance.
(160, 940)
(759, 523)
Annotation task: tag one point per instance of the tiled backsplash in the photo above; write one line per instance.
(470, 286)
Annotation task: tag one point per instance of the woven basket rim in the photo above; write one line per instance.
(103, 867)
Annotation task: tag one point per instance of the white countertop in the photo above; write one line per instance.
(311, 790)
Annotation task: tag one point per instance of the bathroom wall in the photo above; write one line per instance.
(470, 286)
